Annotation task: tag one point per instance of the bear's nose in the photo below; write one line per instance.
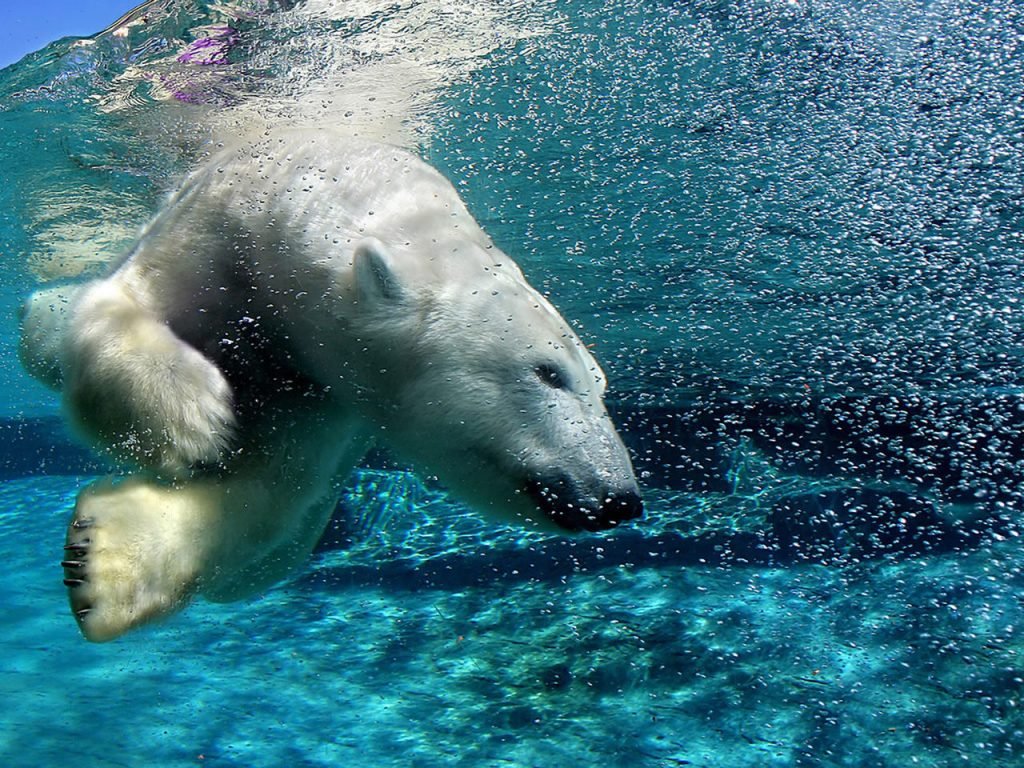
(560, 500)
(621, 507)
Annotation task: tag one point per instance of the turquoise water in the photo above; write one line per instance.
(529, 655)
(791, 230)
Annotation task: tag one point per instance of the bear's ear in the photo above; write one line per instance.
(375, 268)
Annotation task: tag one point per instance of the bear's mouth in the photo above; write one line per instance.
(561, 501)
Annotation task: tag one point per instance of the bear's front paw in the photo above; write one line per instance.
(192, 418)
(126, 562)
(161, 405)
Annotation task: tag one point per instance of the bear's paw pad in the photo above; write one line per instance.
(116, 574)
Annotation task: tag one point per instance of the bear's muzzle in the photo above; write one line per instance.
(567, 506)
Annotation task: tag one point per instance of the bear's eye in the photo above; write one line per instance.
(552, 376)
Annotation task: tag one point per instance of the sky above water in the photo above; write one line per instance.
(27, 26)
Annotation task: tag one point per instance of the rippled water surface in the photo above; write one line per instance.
(792, 232)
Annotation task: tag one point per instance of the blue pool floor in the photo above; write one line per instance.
(915, 661)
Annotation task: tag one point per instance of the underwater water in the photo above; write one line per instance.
(792, 232)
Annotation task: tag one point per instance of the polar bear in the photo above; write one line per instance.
(298, 300)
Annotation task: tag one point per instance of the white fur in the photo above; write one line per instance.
(139, 391)
(347, 295)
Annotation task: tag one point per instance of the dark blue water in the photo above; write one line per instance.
(793, 233)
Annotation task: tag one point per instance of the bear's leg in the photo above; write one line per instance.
(140, 549)
(138, 390)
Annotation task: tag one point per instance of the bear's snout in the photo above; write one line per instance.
(562, 501)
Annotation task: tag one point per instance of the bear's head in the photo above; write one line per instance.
(487, 387)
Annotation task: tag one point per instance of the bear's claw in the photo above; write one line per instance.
(75, 570)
